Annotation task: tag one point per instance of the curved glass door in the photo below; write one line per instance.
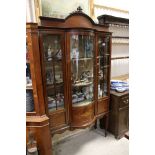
(104, 65)
(52, 52)
(82, 73)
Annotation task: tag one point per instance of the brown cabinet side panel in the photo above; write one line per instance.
(123, 120)
(103, 106)
(113, 115)
(119, 114)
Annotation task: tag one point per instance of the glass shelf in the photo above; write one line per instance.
(82, 103)
(51, 60)
(105, 66)
(80, 59)
(82, 73)
(81, 84)
(29, 87)
(51, 86)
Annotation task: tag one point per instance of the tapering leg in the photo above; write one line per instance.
(106, 123)
(95, 126)
(102, 123)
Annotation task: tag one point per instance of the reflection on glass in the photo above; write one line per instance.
(54, 71)
(29, 101)
(81, 53)
(58, 73)
(27, 54)
(29, 88)
(28, 76)
(104, 60)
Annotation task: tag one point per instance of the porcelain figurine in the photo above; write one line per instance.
(49, 77)
(49, 53)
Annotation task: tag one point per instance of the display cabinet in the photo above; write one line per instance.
(37, 122)
(75, 67)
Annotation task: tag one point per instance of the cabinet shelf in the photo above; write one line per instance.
(50, 86)
(84, 103)
(54, 109)
(102, 97)
(55, 60)
(99, 57)
(80, 59)
(29, 87)
(81, 84)
(106, 66)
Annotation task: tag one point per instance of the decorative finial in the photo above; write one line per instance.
(79, 9)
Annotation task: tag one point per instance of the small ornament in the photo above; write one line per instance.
(49, 52)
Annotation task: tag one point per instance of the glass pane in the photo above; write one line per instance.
(28, 76)
(29, 88)
(82, 69)
(104, 62)
(29, 101)
(54, 71)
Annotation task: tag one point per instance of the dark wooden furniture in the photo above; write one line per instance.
(108, 19)
(119, 113)
(71, 72)
(37, 122)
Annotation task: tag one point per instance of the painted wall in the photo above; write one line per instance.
(120, 66)
(30, 11)
(120, 49)
(62, 8)
(120, 4)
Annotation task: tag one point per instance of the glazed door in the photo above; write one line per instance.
(53, 66)
(81, 55)
(30, 107)
(104, 65)
(103, 75)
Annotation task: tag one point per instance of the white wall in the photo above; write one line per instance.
(62, 8)
(120, 4)
(120, 49)
(120, 66)
(119, 31)
(30, 11)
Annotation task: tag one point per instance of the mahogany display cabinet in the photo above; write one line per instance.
(72, 71)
